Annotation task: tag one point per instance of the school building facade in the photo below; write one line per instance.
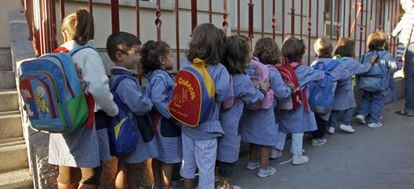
(29, 28)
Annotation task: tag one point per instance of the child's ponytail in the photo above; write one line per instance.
(79, 26)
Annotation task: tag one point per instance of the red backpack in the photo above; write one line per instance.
(298, 97)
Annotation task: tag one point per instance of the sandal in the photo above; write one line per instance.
(404, 113)
(229, 186)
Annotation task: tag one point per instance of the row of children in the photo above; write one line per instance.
(216, 141)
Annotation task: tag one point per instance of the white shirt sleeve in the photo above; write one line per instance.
(97, 82)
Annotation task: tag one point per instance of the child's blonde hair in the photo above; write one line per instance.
(79, 26)
(323, 46)
(376, 41)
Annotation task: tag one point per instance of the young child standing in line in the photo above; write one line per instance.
(373, 98)
(323, 49)
(259, 127)
(124, 50)
(84, 148)
(237, 56)
(302, 119)
(156, 60)
(200, 143)
(344, 99)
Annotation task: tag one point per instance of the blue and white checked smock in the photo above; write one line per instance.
(244, 93)
(162, 86)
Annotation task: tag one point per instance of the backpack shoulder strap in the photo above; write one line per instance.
(119, 79)
(78, 48)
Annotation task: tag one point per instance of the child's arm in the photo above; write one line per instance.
(249, 94)
(159, 96)
(94, 75)
(133, 96)
(224, 90)
(354, 67)
(392, 64)
(306, 75)
(280, 89)
(340, 73)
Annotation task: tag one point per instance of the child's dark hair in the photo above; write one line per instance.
(207, 43)
(236, 53)
(376, 41)
(79, 26)
(345, 47)
(120, 41)
(267, 51)
(323, 46)
(293, 49)
(150, 55)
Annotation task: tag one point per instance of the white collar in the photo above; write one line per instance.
(72, 44)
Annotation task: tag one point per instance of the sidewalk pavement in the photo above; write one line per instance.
(377, 158)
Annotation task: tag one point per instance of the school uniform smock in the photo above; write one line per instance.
(337, 73)
(200, 143)
(300, 120)
(168, 132)
(260, 126)
(344, 97)
(139, 104)
(86, 147)
(244, 93)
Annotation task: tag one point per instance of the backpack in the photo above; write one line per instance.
(123, 128)
(298, 97)
(193, 94)
(52, 91)
(321, 93)
(377, 78)
(259, 74)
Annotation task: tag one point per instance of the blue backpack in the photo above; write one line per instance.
(377, 78)
(123, 129)
(321, 93)
(51, 89)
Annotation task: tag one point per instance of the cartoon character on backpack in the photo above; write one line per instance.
(40, 101)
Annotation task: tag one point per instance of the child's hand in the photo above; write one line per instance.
(265, 86)
(292, 86)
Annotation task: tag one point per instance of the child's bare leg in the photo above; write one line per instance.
(189, 183)
(121, 176)
(253, 149)
(166, 171)
(156, 170)
(264, 157)
(132, 178)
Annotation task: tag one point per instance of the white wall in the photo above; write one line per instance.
(6, 6)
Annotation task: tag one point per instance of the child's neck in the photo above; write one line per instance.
(325, 56)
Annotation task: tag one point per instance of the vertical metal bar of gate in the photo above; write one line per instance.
(177, 33)
(310, 29)
(225, 16)
(62, 10)
(158, 21)
(90, 3)
(238, 17)
(292, 32)
(317, 18)
(344, 19)
(138, 19)
(283, 20)
(301, 18)
(349, 17)
(380, 16)
(331, 19)
(274, 20)
(338, 14)
(263, 18)
(115, 15)
(366, 24)
(324, 18)
(361, 28)
(210, 11)
(251, 19)
(193, 14)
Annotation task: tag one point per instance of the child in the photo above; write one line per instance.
(323, 49)
(259, 127)
(156, 59)
(344, 99)
(373, 100)
(302, 119)
(200, 143)
(124, 50)
(84, 148)
(236, 59)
